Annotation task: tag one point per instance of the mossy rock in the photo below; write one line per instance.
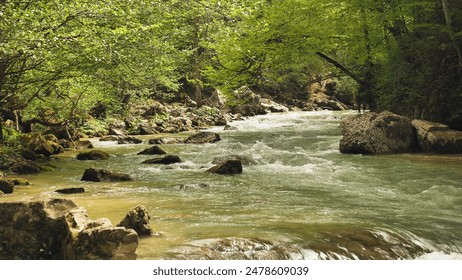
(93, 155)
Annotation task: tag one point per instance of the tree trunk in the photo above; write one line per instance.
(197, 64)
(448, 18)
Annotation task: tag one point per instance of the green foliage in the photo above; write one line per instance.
(60, 58)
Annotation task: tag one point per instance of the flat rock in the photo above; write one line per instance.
(203, 137)
(437, 138)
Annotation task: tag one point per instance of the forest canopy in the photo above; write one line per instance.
(59, 58)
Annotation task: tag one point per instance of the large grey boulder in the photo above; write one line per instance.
(437, 138)
(59, 229)
(373, 133)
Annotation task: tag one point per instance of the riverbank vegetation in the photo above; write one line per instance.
(69, 63)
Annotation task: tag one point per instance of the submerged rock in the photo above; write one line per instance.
(354, 243)
(437, 138)
(373, 133)
(101, 175)
(165, 141)
(138, 220)
(203, 137)
(237, 249)
(57, 229)
(229, 167)
(155, 150)
(192, 186)
(71, 190)
(93, 155)
(243, 159)
(170, 159)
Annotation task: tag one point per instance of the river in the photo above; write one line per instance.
(300, 191)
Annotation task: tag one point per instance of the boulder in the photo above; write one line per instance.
(373, 133)
(274, 107)
(83, 144)
(138, 220)
(26, 167)
(101, 175)
(57, 229)
(437, 138)
(170, 159)
(107, 138)
(71, 190)
(247, 103)
(37, 143)
(117, 128)
(323, 101)
(147, 129)
(129, 140)
(243, 159)
(203, 137)
(155, 150)
(93, 155)
(6, 186)
(229, 167)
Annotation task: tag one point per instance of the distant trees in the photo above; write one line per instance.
(59, 58)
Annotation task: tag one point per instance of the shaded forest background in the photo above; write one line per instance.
(60, 58)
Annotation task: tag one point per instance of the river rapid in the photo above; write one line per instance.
(300, 191)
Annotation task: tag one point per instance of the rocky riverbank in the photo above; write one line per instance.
(387, 133)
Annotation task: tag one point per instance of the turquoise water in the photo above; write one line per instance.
(300, 191)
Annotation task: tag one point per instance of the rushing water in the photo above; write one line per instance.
(299, 191)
